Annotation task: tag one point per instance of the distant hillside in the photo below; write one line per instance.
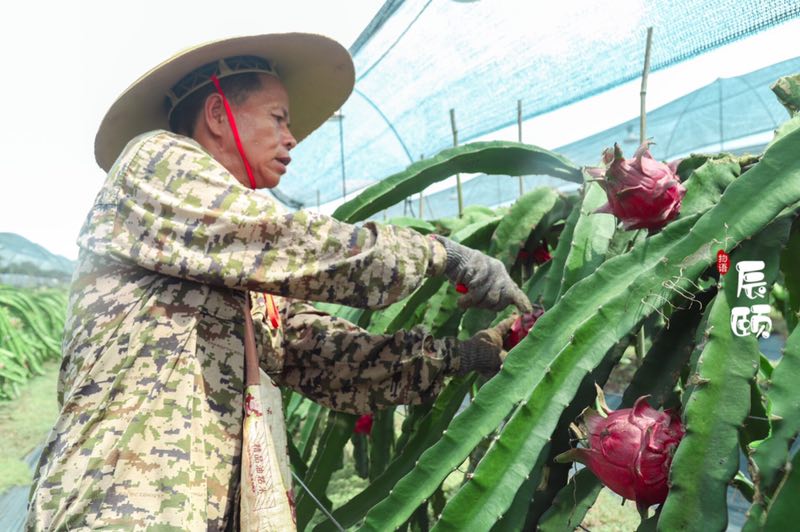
(23, 263)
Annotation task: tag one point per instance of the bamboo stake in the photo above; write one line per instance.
(458, 176)
(721, 129)
(341, 151)
(421, 210)
(640, 346)
(643, 91)
(519, 139)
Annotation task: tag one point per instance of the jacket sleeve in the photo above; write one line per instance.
(168, 206)
(345, 368)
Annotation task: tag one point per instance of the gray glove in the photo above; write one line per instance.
(488, 284)
(484, 352)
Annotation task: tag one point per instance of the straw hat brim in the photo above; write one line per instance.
(317, 72)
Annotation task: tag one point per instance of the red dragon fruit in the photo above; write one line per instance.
(630, 450)
(642, 192)
(363, 425)
(521, 326)
(541, 254)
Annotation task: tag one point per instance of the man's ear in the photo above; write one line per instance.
(214, 114)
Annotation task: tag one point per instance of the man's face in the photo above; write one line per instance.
(263, 123)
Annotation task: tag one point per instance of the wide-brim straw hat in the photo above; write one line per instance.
(317, 72)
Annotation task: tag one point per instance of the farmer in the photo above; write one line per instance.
(151, 384)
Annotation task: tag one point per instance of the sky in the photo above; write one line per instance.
(66, 62)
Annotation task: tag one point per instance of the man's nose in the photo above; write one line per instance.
(288, 140)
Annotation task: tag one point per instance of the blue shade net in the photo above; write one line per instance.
(419, 58)
(736, 115)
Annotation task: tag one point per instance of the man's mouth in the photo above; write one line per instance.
(283, 162)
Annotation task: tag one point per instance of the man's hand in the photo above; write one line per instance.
(488, 284)
(484, 352)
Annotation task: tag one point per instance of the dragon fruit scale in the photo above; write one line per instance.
(630, 450)
(642, 192)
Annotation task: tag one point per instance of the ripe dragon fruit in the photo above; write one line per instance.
(642, 192)
(629, 450)
(521, 326)
(539, 256)
(363, 425)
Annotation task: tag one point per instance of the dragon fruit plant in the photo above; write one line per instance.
(598, 283)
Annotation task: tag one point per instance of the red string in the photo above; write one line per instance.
(272, 308)
(272, 311)
(235, 131)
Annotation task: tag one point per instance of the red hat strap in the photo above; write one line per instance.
(272, 308)
(235, 131)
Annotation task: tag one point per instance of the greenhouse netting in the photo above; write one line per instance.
(736, 114)
(419, 59)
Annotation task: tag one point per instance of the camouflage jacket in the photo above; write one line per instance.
(152, 375)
